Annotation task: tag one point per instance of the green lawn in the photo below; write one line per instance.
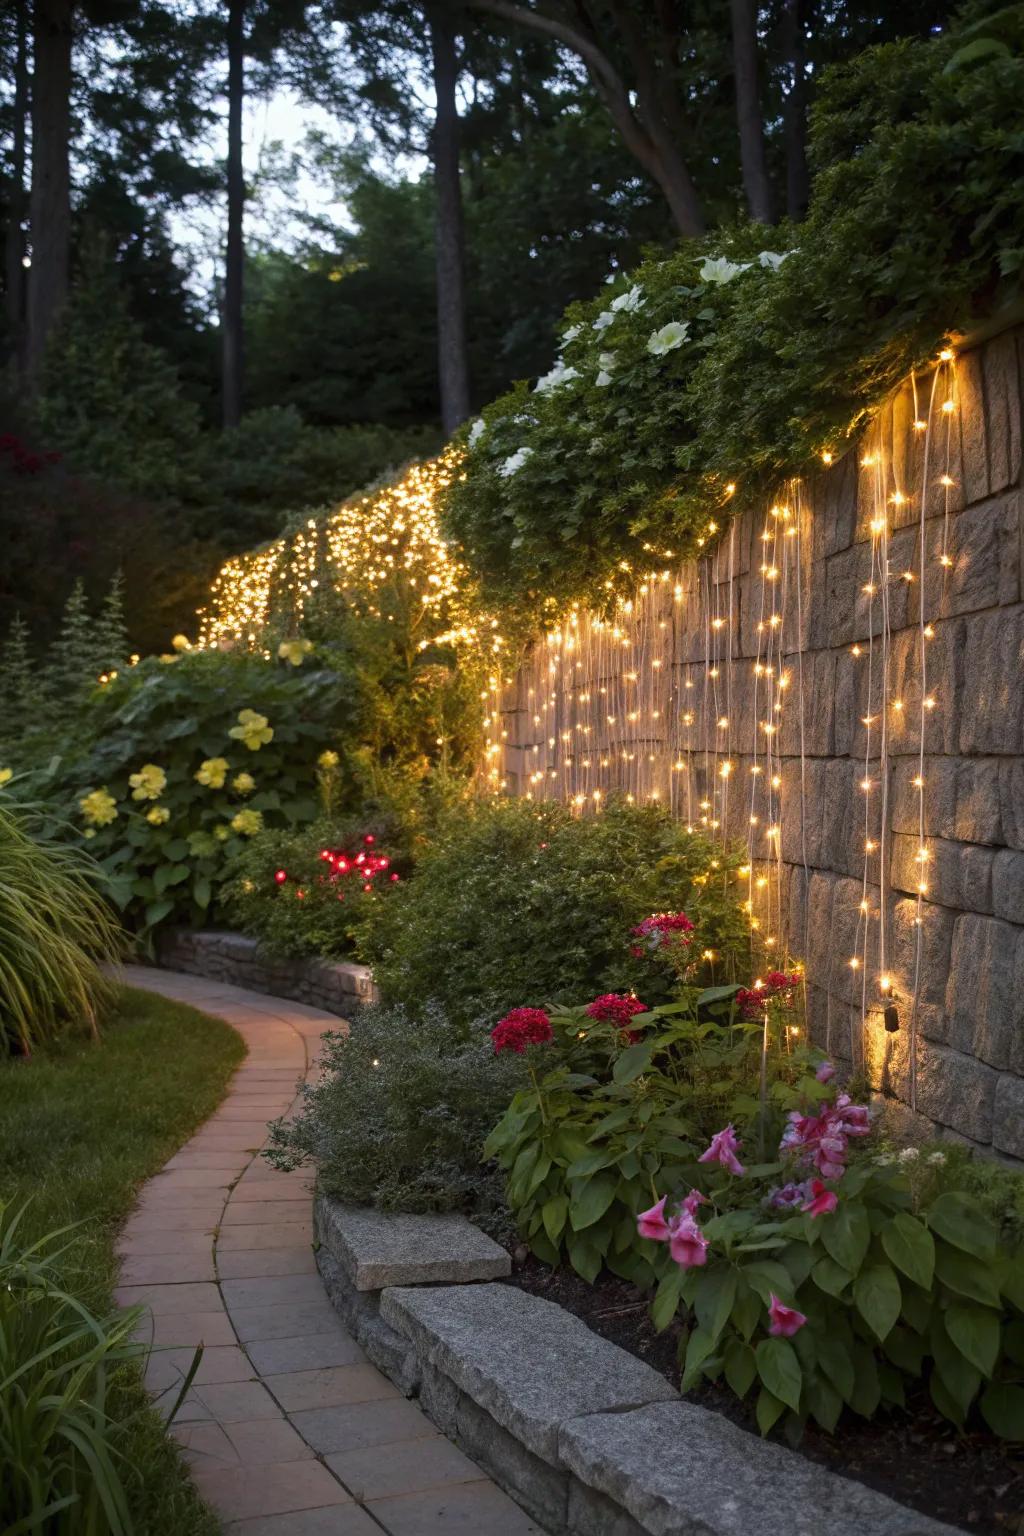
(81, 1126)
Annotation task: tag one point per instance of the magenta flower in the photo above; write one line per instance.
(652, 1223)
(826, 1072)
(822, 1201)
(687, 1244)
(723, 1149)
(692, 1201)
(785, 1321)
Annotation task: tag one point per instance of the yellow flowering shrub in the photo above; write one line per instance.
(157, 815)
(252, 729)
(213, 772)
(149, 783)
(247, 823)
(243, 784)
(98, 807)
(294, 651)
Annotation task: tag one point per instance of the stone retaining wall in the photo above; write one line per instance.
(335, 986)
(886, 591)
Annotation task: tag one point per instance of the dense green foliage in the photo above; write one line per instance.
(514, 903)
(400, 1111)
(80, 1127)
(56, 932)
(914, 230)
(172, 764)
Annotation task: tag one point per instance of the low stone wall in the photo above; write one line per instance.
(590, 1440)
(334, 985)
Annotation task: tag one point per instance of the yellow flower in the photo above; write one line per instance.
(252, 729)
(168, 657)
(328, 759)
(294, 651)
(158, 815)
(149, 783)
(213, 772)
(243, 784)
(6, 775)
(247, 823)
(222, 833)
(181, 643)
(98, 807)
(89, 832)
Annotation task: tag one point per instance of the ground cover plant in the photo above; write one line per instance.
(697, 383)
(56, 931)
(399, 1114)
(514, 903)
(81, 1125)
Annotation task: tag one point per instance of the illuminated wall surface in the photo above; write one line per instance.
(840, 685)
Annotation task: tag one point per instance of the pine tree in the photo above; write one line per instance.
(73, 664)
(110, 635)
(22, 684)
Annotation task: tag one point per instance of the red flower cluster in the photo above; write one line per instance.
(520, 1028)
(362, 866)
(617, 1008)
(750, 1001)
(661, 928)
(21, 459)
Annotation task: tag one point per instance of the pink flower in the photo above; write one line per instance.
(687, 1244)
(520, 1028)
(723, 1149)
(652, 1223)
(692, 1201)
(785, 1321)
(617, 1008)
(822, 1201)
(826, 1072)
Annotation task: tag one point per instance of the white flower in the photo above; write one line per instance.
(909, 1155)
(514, 462)
(559, 374)
(631, 300)
(606, 360)
(938, 1158)
(719, 269)
(603, 379)
(603, 320)
(571, 334)
(773, 259)
(669, 337)
(476, 432)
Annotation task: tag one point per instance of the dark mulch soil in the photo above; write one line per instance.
(917, 1458)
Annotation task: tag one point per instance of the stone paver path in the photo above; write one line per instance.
(288, 1429)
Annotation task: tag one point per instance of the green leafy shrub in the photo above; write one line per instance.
(56, 930)
(624, 457)
(849, 1293)
(400, 1112)
(181, 759)
(515, 903)
(303, 890)
(62, 1470)
(621, 1099)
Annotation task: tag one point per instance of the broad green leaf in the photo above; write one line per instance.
(716, 1292)
(975, 1332)
(666, 1301)
(746, 1309)
(699, 1348)
(740, 1365)
(715, 995)
(910, 1246)
(866, 1393)
(201, 891)
(590, 1162)
(632, 1063)
(960, 1378)
(1003, 1409)
(830, 1277)
(834, 1360)
(585, 1258)
(553, 1215)
(905, 1349)
(590, 1200)
(766, 1276)
(846, 1234)
(157, 911)
(966, 1275)
(824, 1402)
(769, 1410)
(876, 1293)
(779, 1369)
(956, 1217)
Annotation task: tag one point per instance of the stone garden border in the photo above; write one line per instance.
(587, 1438)
(334, 985)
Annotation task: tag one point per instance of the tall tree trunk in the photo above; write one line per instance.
(235, 259)
(453, 363)
(748, 111)
(794, 48)
(50, 203)
(15, 249)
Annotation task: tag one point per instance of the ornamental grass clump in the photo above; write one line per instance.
(56, 933)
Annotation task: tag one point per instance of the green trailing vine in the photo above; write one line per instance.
(696, 383)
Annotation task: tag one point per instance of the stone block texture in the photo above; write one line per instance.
(839, 686)
(335, 986)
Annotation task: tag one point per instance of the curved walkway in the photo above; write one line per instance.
(288, 1429)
